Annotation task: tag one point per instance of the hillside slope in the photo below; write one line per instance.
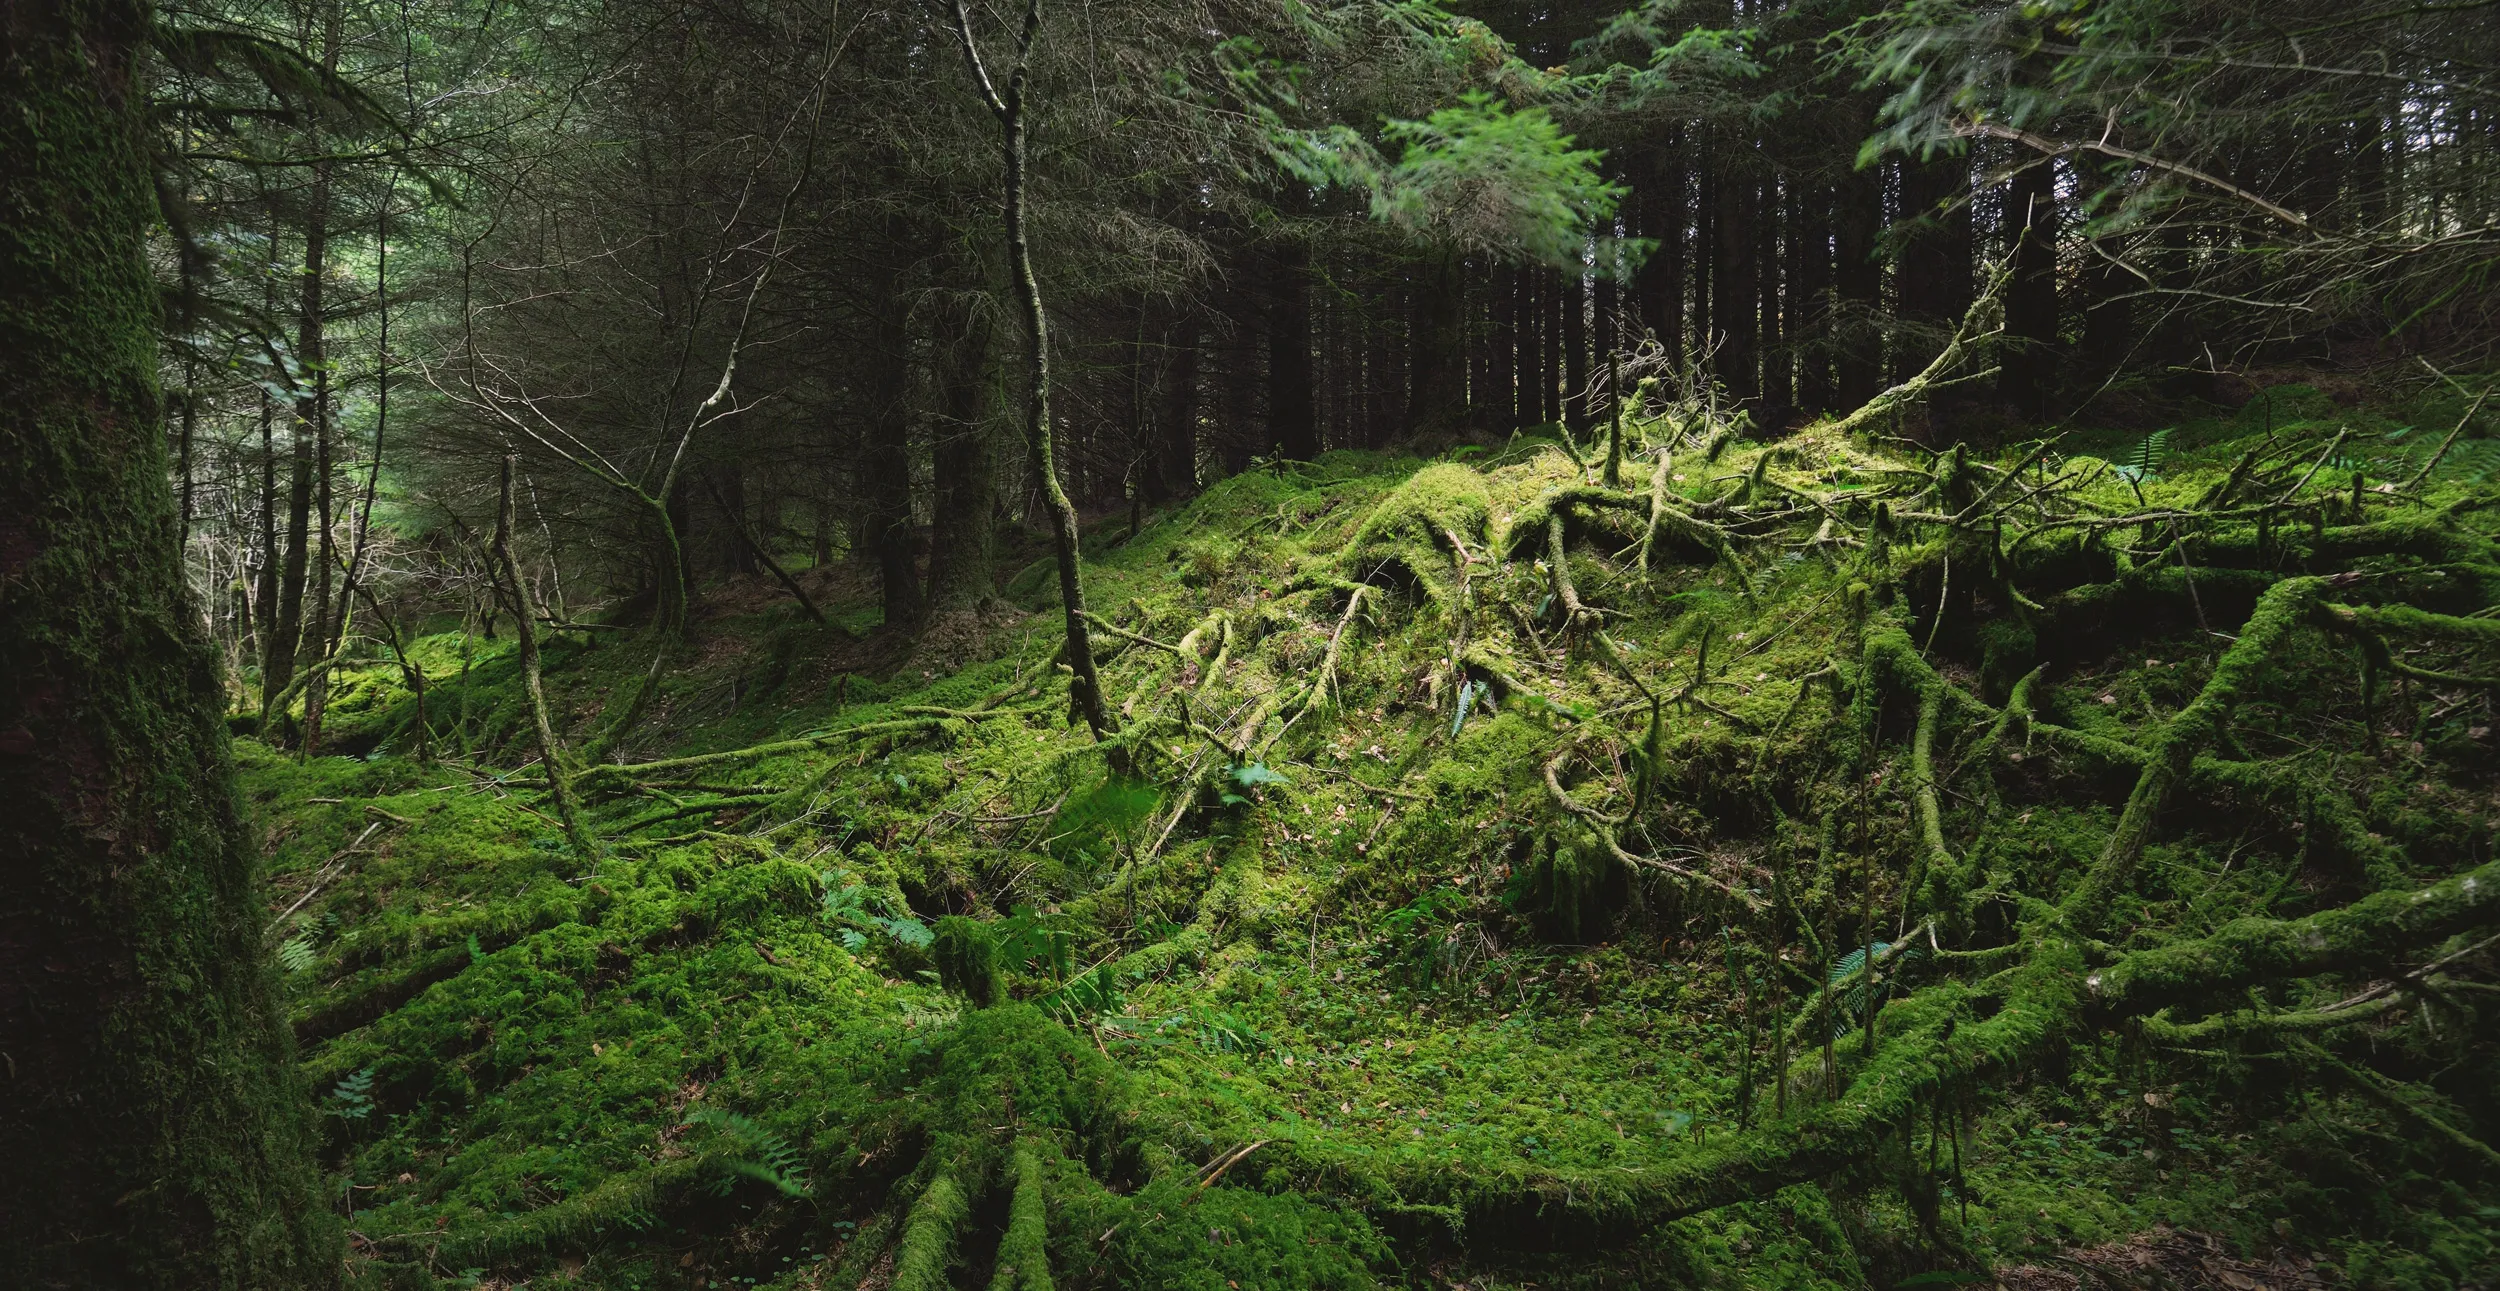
(1803, 864)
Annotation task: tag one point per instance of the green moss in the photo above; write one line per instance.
(1365, 1000)
(967, 960)
(1410, 533)
(1024, 1249)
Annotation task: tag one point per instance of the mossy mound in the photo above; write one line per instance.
(1949, 864)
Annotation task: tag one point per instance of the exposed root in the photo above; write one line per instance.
(927, 1250)
(1024, 1250)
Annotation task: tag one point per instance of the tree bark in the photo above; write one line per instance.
(1858, 281)
(1603, 314)
(1661, 278)
(525, 631)
(1935, 264)
(1501, 396)
(1809, 296)
(1292, 421)
(1436, 367)
(728, 485)
(312, 346)
(155, 1128)
(1084, 684)
(2031, 296)
(1177, 418)
(2108, 316)
(1733, 287)
(1778, 363)
(1575, 347)
(1536, 347)
(886, 469)
(963, 530)
(265, 578)
(1704, 329)
(287, 627)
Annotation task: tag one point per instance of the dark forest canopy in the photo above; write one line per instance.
(1246, 643)
(740, 265)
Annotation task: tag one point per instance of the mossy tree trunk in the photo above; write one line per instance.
(312, 423)
(153, 1127)
(287, 625)
(1084, 686)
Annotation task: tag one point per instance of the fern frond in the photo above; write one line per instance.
(760, 1154)
(296, 953)
(2145, 460)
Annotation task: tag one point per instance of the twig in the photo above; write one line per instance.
(333, 866)
(1226, 1162)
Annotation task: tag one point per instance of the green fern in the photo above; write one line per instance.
(759, 1153)
(1089, 994)
(2144, 461)
(1853, 993)
(352, 1098)
(848, 902)
(2472, 461)
(296, 953)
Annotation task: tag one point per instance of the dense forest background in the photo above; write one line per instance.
(1466, 644)
(727, 280)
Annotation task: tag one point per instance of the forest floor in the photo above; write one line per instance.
(1436, 921)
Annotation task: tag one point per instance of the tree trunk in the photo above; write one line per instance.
(1436, 369)
(287, 627)
(312, 346)
(1239, 424)
(1084, 683)
(1770, 210)
(1660, 284)
(1935, 263)
(1293, 429)
(1733, 287)
(1704, 330)
(1536, 346)
(1388, 370)
(729, 484)
(2108, 316)
(1575, 347)
(963, 524)
(1502, 395)
(265, 579)
(673, 520)
(2030, 355)
(1809, 297)
(1602, 312)
(891, 535)
(1177, 417)
(154, 1127)
(1858, 281)
(525, 631)
(1476, 323)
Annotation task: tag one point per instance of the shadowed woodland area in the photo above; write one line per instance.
(1249, 644)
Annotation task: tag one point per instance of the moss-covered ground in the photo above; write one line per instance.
(1490, 886)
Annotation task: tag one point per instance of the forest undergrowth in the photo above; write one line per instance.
(1673, 860)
